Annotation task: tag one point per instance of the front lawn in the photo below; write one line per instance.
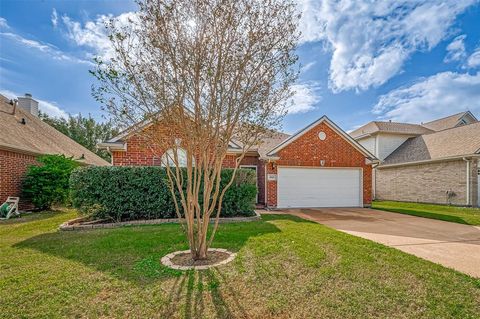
(286, 267)
(462, 215)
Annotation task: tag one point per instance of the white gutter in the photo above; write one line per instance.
(116, 146)
(441, 159)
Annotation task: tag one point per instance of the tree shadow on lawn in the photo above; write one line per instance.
(189, 291)
(427, 214)
(134, 253)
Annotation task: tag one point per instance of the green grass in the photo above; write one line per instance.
(286, 268)
(461, 215)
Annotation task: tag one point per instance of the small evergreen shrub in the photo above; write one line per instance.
(48, 183)
(132, 193)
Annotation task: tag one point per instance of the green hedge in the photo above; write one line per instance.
(131, 193)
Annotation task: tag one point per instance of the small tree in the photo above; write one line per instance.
(47, 184)
(85, 131)
(200, 76)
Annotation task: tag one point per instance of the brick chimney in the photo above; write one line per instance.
(27, 103)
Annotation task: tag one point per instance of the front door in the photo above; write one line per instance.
(254, 168)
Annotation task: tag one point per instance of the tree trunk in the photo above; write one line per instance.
(201, 251)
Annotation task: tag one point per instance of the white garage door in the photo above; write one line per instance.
(319, 187)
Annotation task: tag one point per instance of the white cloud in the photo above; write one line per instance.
(305, 98)
(456, 49)
(3, 23)
(439, 95)
(307, 66)
(371, 40)
(93, 34)
(51, 108)
(54, 18)
(474, 59)
(46, 48)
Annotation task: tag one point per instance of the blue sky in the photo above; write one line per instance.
(411, 60)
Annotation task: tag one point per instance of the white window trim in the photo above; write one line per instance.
(165, 157)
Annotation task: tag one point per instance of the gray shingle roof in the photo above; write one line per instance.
(37, 137)
(457, 141)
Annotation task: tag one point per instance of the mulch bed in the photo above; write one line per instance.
(213, 257)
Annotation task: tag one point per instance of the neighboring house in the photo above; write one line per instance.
(434, 162)
(320, 166)
(23, 137)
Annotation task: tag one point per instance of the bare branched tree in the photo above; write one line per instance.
(197, 76)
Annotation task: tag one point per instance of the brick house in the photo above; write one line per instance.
(433, 162)
(24, 137)
(319, 166)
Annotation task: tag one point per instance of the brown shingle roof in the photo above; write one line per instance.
(37, 137)
(270, 142)
(457, 141)
(445, 123)
(389, 127)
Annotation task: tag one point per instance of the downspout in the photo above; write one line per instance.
(468, 179)
(374, 180)
(265, 163)
(111, 156)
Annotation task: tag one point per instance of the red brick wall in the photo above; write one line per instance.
(308, 150)
(138, 154)
(12, 170)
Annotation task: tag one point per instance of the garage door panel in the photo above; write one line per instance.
(318, 187)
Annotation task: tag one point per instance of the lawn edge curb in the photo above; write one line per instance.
(167, 260)
(73, 224)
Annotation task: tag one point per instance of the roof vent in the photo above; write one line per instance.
(28, 103)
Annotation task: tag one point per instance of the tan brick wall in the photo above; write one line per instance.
(427, 183)
(474, 183)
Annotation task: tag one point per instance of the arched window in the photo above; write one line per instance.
(168, 158)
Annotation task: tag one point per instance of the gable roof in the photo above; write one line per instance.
(37, 137)
(455, 142)
(449, 121)
(338, 130)
(389, 127)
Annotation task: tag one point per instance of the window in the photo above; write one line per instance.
(168, 158)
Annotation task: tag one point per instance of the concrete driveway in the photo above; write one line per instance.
(453, 245)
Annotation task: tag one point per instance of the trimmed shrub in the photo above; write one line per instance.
(47, 183)
(132, 193)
